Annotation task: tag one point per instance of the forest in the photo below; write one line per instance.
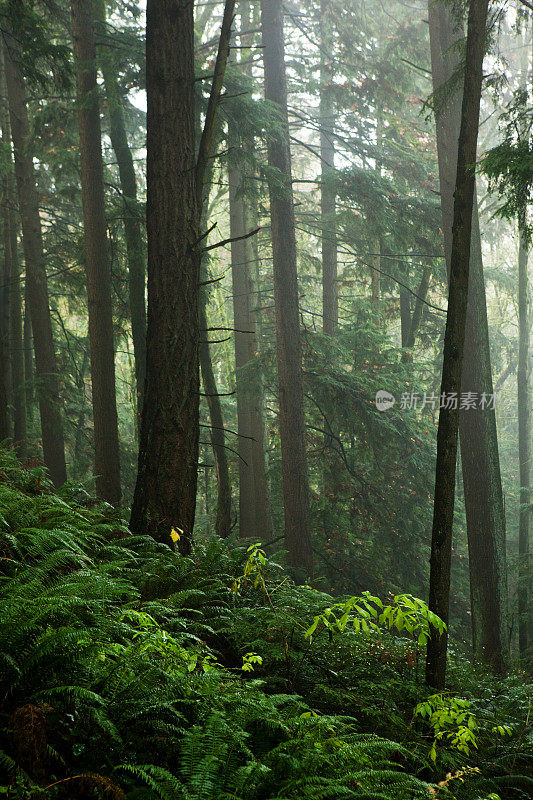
(265, 399)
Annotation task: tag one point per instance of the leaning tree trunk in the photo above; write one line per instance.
(165, 492)
(106, 443)
(289, 350)
(132, 211)
(454, 339)
(36, 280)
(478, 435)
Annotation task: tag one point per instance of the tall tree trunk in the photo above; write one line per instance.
(250, 22)
(106, 444)
(216, 417)
(254, 511)
(12, 272)
(330, 296)
(132, 211)
(5, 315)
(454, 340)
(165, 492)
(218, 440)
(478, 435)
(4, 415)
(36, 280)
(5, 426)
(289, 350)
(524, 445)
(243, 339)
(29, 371)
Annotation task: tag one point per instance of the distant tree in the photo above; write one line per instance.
(128, 185)
(98, 270)
(36, 278)
(330, 294)
(509, 168)
(12, 276)
(289, 351)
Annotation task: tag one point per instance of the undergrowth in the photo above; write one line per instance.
(127, 671)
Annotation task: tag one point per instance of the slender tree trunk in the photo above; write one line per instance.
(254, 510)
(416, 316)
(250, 22)
(289, 351)
(454, 339)
(244, 343)
(478, 434)
(218, 441)
(132, 211)
(5, 303)
(5, 427)
(36, 280)
(12, 273)
(15, 342)
(106, 443)
(376, 275)
(330, 297)
(29, 371)
(524, 445)
(165, 492)
(405, 315)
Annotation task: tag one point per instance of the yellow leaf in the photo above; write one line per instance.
(175, 535)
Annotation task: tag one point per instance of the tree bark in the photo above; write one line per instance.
(36, 280)
(478, 434)
(106, 442)
(289, 351)
(132, 212)
(454, 339)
